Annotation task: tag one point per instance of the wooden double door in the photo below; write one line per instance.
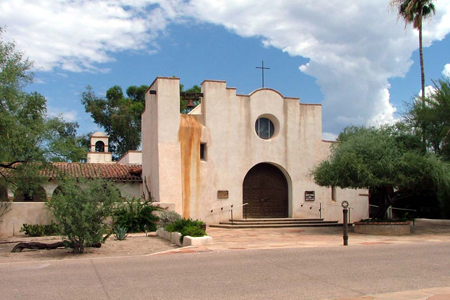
(265, 189)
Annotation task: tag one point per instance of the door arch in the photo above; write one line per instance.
(265, 189)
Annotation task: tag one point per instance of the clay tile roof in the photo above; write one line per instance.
(114, 172)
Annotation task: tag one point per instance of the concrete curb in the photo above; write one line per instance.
(432, 221)
(174, 237)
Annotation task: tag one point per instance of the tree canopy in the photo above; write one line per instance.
(28, 137)
(433, 119)
(388, 159)
(120, 115)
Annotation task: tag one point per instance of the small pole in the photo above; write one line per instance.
(232, 215)
(345, 212)
(320, 210)
(350, 215)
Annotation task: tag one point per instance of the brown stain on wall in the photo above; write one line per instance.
(189, 136)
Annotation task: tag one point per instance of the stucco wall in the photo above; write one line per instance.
(233, 148)
(161, 159)
(131, 158)
(23, 213)
(37, 213)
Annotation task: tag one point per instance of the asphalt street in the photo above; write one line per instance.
(301, 273)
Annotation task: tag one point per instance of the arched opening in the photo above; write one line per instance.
(57, 191)
(36, 194)
(99, 146)
(265, 189)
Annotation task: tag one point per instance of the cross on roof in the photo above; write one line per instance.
(262, 69)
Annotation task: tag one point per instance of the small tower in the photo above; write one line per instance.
(99, 149)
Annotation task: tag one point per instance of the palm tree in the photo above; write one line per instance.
(414, 11)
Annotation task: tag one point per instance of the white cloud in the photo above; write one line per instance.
(446, 71)
(68, 115)
(328, 136)
(77, 35)
(429, 90)
(354, 47)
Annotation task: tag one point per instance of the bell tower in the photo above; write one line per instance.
(99, 149)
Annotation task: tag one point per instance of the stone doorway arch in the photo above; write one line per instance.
(265, 189)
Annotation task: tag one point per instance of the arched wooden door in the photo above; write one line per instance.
(265, 190)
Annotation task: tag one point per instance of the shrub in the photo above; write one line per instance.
(136, 215)
(186, 227)
(178, 225)
(168, 216)
(40, 230)
(194, 231)
(82, 212)
(120, 233)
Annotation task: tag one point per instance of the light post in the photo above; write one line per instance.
(345, 212)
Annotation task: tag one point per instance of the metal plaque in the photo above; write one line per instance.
(310, 195)
(222, 194)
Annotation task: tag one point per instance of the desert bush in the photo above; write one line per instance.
(40, 230)
(168, 216)
(120, 233)
(194, 231)
(186, 227)
(136, 215)
(82, 208)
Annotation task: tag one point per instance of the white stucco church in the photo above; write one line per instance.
(253, 152)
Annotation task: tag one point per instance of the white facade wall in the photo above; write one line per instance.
(131, 158)
(161, 161)
(227, 126)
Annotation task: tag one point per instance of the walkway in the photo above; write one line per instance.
(250, 239)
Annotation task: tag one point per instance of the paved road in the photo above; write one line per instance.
(302, 273)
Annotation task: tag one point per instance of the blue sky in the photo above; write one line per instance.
(359, 62)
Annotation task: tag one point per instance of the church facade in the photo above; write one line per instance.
(250, 153)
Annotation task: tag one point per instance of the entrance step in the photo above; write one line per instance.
(275, 223)
(272, 220)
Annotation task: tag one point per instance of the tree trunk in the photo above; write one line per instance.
(422, 70)
(422, 78)
(381, 213)
(36, 246)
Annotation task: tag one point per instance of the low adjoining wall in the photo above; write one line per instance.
(24, 213)
(383, 228)
(174, 237)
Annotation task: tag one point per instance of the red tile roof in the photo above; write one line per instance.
(112, 171)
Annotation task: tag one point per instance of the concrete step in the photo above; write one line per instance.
(276, 220)
(235, 222)
(275, 225)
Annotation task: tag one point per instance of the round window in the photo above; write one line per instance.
(264, 128)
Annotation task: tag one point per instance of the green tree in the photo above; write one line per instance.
(387, 160)
(82, 209)
(27, 135)
(62, 142)
(118, 115)
(432, 120)
(414, 12)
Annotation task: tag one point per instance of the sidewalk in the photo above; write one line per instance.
(425, 294)
(249, 239)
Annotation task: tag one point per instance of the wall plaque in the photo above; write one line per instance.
(222, 194)
(310, 195)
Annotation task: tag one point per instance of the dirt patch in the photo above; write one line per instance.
(135, 244)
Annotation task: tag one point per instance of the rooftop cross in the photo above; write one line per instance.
(262, 69)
